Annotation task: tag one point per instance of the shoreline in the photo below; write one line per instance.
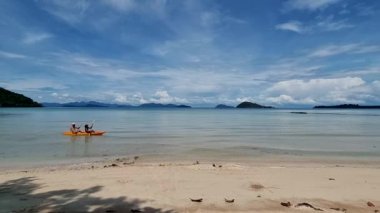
(165, 186)
(259, 160)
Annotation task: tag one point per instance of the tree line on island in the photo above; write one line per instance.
(12, 99)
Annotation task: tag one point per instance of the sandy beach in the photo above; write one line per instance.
(128, 185)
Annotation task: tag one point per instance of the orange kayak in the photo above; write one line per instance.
(96, 133)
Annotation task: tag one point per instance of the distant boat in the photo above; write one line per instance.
(347, 106)
(299, 112)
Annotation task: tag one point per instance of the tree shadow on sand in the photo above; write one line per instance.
(19, 196)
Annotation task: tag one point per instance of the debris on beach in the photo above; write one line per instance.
(196, 163)
(110, 211)
(370, 204)
(257, 187)
(196, 200)
(376, 211)
(309, 206)
(135, 210)
(128, 163)
(111, 165)
(259, 196)
(339, 209)
(220, 166)
(331, 178)
(213, 165)
(286, 204)
(229, 200)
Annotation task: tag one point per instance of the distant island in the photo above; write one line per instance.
(155, 105)
(250, 105)
(347, 106)
(84, 104)
(222, 106)
(100, 104)
(12, 99)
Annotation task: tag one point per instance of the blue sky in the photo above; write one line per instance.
(202, 53)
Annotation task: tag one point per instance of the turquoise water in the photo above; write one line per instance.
(34, 136)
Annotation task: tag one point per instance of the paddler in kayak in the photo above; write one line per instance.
(74, 129)
(88, 129)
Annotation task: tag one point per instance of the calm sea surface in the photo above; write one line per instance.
(34, 136)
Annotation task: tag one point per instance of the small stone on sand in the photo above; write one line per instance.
(196, 200)
(370, 204)
(229, 200)
(286, 204)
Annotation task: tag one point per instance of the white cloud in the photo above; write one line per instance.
(11, 55)
(32, 38)
(332, 50)
(308, 4)
(162, 96)
(329, 24)
(138, 98)
(159, 96)
(33, 85)
(325, 24)
(70, 11)
(286, 99)
(120, 98)
(294, 26)
(328, 90)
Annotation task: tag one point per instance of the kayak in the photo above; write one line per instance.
(96, 133)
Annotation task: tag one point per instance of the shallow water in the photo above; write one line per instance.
(34, 136)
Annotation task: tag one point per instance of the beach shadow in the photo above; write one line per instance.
(19, 195)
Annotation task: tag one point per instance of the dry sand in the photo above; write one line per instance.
(168, 187)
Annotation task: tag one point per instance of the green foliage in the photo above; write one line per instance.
(11, 99)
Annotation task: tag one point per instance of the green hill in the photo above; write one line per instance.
(251, 105)
(11, 99)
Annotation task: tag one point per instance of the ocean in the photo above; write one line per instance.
(34, 136)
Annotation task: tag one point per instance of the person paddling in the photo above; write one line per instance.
(74, 129)
(88, 129)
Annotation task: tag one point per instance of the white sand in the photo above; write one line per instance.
(168, 187)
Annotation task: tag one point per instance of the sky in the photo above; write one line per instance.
(198, 52)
